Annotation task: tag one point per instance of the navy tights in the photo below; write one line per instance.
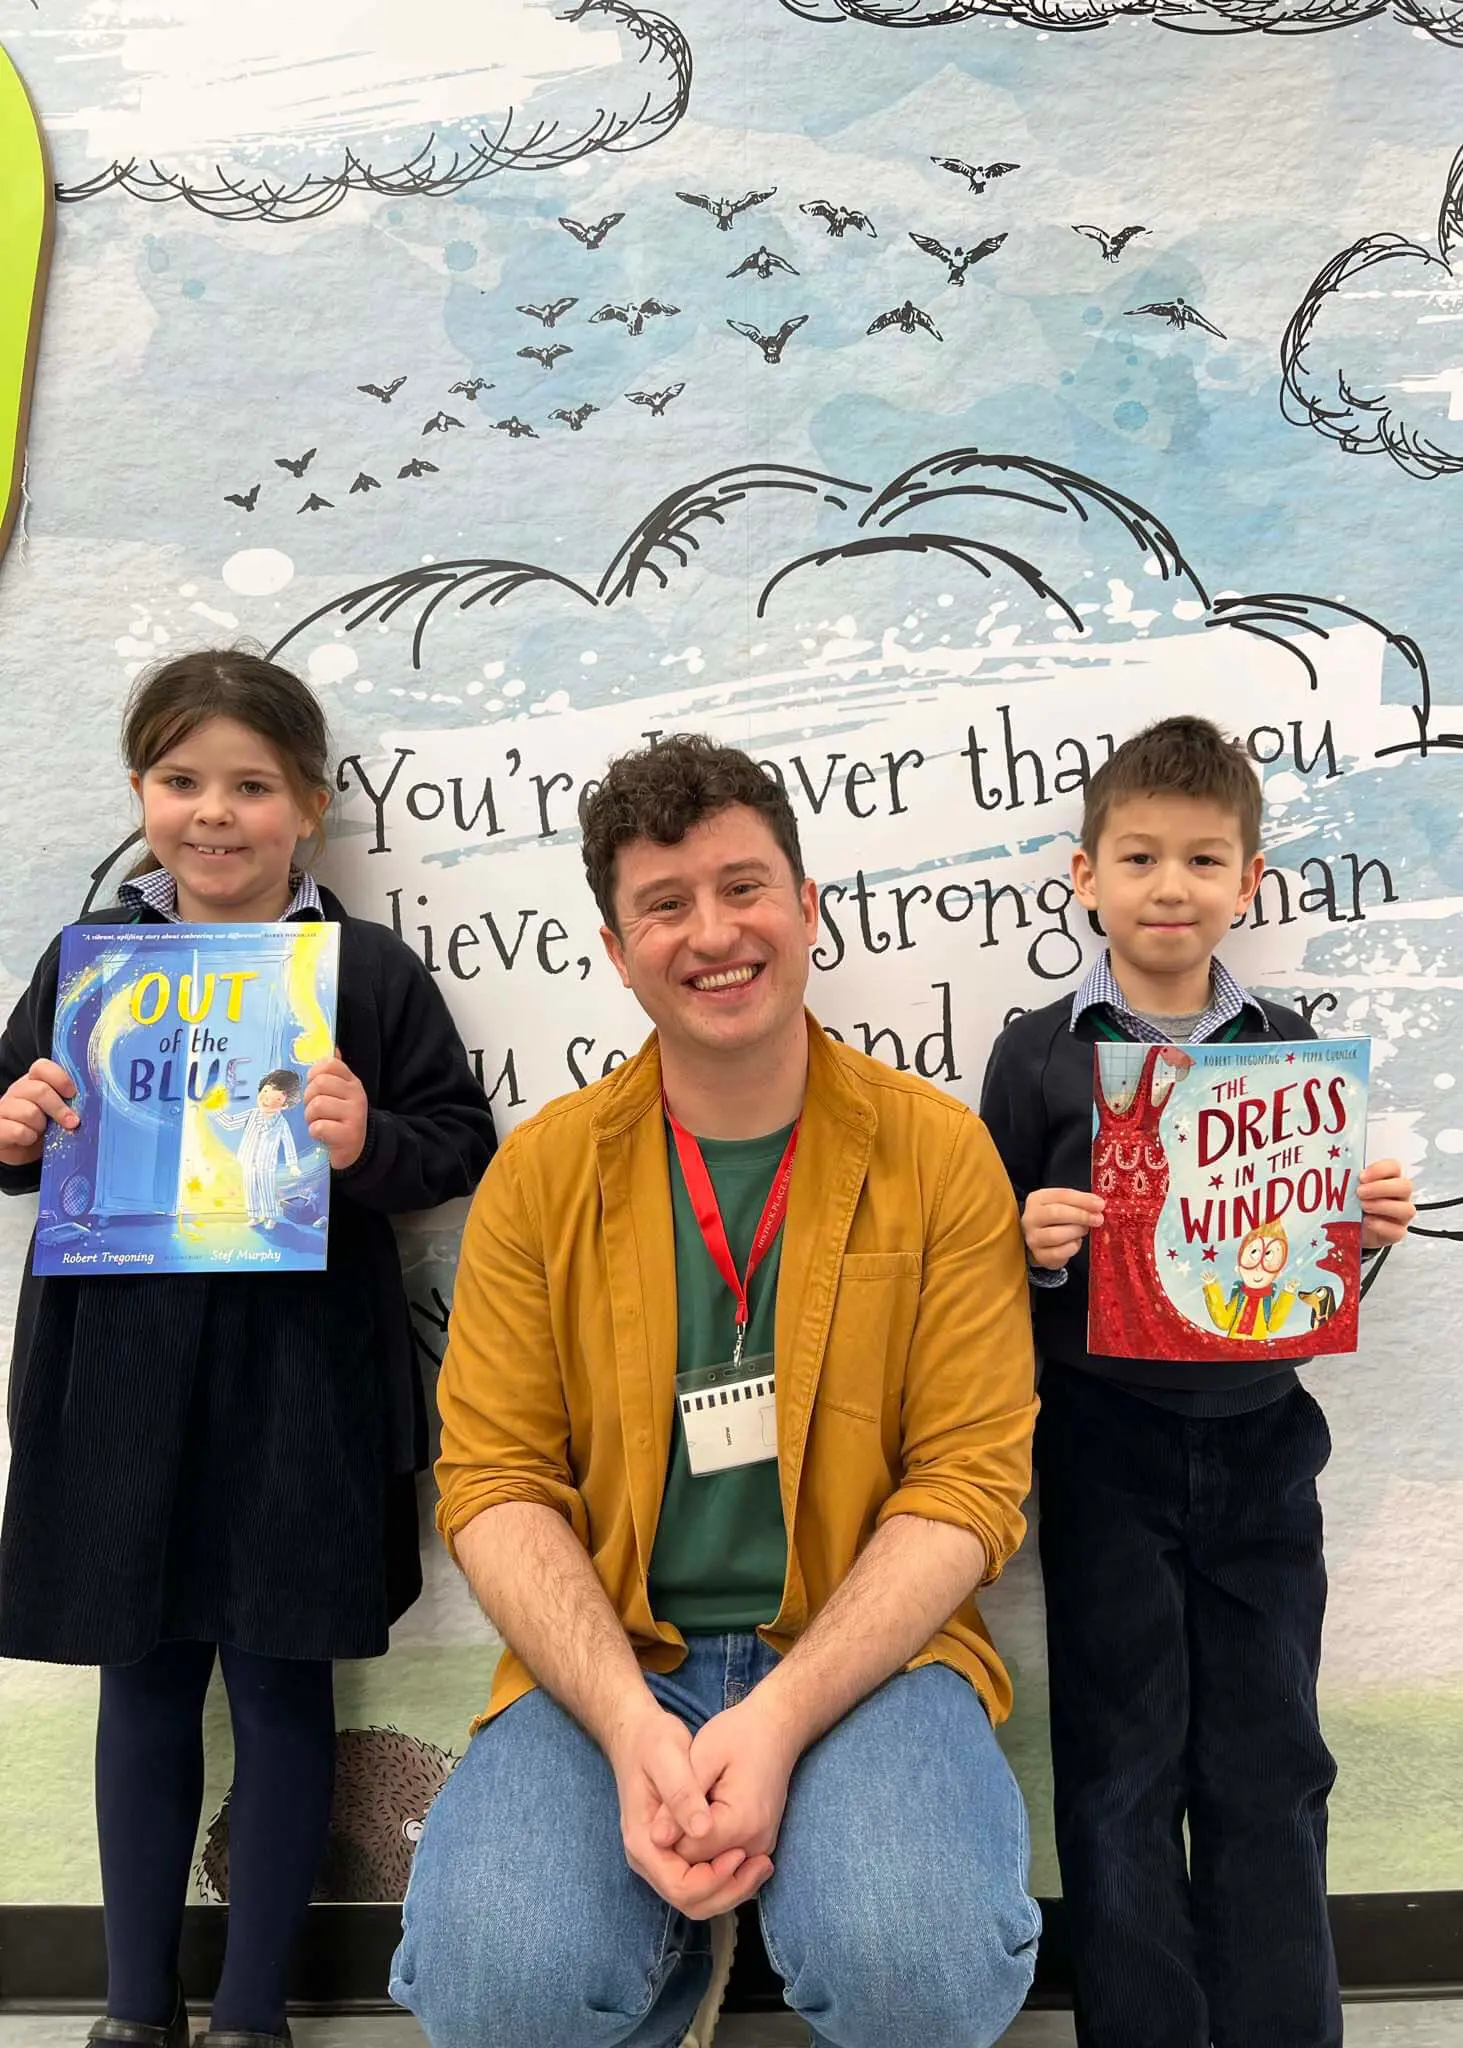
(149, 1786)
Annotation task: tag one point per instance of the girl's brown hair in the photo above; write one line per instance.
(169, 702)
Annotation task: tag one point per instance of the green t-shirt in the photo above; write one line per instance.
(720, 1547)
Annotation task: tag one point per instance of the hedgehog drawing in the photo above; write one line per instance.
(384, 1783)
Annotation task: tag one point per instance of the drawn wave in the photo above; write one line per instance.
(1009, 521)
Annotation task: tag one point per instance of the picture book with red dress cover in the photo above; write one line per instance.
(1229, 1176)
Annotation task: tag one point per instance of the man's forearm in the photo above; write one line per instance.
(905, 1586)
(534, 1581)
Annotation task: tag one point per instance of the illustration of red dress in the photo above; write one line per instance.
(1130, 1173)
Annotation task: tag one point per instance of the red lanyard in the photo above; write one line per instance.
(708, 1215)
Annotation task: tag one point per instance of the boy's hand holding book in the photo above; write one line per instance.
(1054, 1223)
(1387, 1206)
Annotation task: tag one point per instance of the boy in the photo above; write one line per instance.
(266, 1132)
(1180, 1532)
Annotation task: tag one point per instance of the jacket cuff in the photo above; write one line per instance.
(941, 1504)
(359, 1168)
(457, 1509)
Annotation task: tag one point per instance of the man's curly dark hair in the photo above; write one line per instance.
(663, 790)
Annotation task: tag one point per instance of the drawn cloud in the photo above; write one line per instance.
(1005, 536)
(275, 111)
(1188, 17)
(1373, 358)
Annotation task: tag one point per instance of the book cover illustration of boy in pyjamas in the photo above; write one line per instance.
(266, 1134)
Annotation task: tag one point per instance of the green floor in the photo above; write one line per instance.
(1395, 1817)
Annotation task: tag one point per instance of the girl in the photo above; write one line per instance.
(211, 1465)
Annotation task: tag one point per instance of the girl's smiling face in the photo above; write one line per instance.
(221, 813)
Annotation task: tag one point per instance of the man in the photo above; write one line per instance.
(725, 1484)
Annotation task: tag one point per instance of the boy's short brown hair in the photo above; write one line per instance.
(662, 791)
(1176, 757)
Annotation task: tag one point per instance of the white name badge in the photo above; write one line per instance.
(729, 1414)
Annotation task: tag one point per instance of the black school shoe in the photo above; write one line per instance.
(132, 2034)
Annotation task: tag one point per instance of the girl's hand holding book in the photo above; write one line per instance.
(335, 1111)
(28, 1104)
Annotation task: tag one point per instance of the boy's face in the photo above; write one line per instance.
(1168, 879)
(271, 1100)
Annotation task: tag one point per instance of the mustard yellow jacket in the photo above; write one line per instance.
(903, 1342)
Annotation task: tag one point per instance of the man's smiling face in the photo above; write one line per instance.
(714, 934)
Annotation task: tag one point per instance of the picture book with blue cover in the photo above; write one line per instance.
(189, 1045)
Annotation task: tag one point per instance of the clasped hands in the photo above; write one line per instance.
(699, 1815)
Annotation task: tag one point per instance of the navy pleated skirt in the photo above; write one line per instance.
(203, 1458)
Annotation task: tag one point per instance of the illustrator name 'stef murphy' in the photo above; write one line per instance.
(189, 1046)
(1229, 1177)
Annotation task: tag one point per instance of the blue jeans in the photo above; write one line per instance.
(897, 1913)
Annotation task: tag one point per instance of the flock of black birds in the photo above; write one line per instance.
(469, 388)
(837, 220)
(958, 258)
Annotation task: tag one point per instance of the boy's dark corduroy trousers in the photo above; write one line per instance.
(1185, 1591)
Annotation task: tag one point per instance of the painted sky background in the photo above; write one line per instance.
(193, 345)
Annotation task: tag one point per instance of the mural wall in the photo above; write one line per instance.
(922, 393)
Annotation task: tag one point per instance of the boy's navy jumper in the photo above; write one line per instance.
(1180, 1539)
(229, 1457)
